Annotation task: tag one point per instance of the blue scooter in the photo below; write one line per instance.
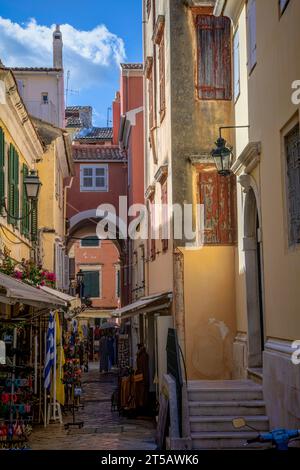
(279, 438)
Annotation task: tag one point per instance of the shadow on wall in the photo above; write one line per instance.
(212, 351)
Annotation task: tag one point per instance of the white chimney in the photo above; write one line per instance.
(57, 48)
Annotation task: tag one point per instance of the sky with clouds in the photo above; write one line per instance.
(97, 36)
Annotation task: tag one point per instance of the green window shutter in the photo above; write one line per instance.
(34, 217)
(91, 284)
(13, 186)
(10, 184)
(16, 186)
(25, 205)
(90, 241)
(2, 164)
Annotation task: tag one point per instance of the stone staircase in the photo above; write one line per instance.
(213, 405)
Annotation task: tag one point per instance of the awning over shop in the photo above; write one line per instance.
(73, 302)
(153, 303)
(14, 291)
(90, 314)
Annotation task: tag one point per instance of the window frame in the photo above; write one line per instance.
(94, 188)
(292, 244)
(97, 270)
(200, 86)
(90, 246)
(162, 75)
(236, 66)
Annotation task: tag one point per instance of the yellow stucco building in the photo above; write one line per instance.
(266, 40)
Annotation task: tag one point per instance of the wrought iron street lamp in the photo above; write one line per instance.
(222, 154)
(32, 185)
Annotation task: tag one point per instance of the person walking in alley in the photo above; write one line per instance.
(142, 386)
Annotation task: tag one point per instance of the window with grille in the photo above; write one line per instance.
(292, 146)
(93, 178)
(214, 57)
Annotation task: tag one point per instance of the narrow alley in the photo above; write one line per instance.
(103, 429)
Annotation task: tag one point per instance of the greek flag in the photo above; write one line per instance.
(49, 352)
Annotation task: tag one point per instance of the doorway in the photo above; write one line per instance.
(254, 281)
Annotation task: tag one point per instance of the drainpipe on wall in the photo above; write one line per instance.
(178, 298)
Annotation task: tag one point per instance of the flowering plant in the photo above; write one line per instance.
(28, 272)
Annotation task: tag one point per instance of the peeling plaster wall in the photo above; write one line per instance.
(209, 301)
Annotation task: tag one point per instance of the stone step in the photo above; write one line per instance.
(227, 408)
(225, 394)
(221, 440)
(224, 424)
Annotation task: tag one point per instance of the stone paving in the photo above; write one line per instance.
(103, 429)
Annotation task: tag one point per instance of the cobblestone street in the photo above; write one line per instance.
(103, 429)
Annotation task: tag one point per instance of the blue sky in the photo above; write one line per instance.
(97, 35)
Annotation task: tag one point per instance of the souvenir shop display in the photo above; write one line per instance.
(72, 372)
(16, 392)
(123, 351)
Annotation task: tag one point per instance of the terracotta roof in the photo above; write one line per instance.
(132, 66)
(35, 69)
(88, 152)
(77, 108)
(94, 133)
(73, 121)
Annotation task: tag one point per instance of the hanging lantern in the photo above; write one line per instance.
(222, 156)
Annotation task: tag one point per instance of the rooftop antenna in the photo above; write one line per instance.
(68, 90)
(108, 122)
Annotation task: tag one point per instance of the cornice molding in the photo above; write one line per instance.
(14, 101)
(159, 29)
(148, 66)
(150, 191)
(162, 174)
(248, 159)
(202, 158)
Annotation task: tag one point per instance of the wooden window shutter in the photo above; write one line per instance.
(2, 169)
(25, 222)
(34, 220)
(91, 284)
(214, 58)
(72, 268)
(164, 201)
(151, 101)
(162, 80)
(13, 186)
(218, 196)
(66, 273)
(236, 61)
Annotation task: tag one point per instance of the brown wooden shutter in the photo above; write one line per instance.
(214, 57)
(151, 101)
(164, 201)
(162, 87)
(218, 196)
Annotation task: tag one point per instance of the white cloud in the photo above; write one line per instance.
(91, 56)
